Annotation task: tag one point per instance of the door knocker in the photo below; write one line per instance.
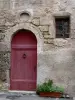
(24, 55)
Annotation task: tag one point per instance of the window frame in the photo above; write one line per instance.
(62, 18)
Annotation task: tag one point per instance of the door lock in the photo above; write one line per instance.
(24, 55)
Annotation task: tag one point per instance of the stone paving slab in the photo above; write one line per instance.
(4, 98)
(19, 96)
(37, 98)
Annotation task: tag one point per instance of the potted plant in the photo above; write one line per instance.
(49, 89)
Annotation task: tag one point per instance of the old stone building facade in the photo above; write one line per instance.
(55, 56)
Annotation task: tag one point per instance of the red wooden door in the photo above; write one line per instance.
(23, 61)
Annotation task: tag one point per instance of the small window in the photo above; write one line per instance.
(62, 27)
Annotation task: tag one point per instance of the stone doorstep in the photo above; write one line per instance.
(22, 93)
(73, 98)
(18, 93)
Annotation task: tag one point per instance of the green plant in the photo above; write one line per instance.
(49, 87)
(45, 87)
(56, 89)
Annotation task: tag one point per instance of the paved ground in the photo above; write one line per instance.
(14, 96)
(31, 98)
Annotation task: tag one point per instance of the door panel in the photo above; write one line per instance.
(23, 66)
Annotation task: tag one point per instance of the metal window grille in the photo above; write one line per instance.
(62, 27)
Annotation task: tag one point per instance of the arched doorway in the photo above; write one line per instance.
(23, 72)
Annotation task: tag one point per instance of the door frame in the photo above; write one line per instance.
(40, 42)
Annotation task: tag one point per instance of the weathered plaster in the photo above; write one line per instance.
(56, 57)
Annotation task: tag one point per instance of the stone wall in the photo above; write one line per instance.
(56, 59)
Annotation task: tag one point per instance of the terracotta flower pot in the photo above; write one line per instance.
(51, 94)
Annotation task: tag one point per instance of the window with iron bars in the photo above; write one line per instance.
(62, 27)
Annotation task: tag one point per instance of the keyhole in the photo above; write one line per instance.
(24, 55)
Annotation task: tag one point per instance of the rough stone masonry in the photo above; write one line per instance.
(56, 56)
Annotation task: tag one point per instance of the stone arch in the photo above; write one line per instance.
(10, 32)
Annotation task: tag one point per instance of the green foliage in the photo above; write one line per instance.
(49, 87)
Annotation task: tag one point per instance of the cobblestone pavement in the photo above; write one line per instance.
(16, 96)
